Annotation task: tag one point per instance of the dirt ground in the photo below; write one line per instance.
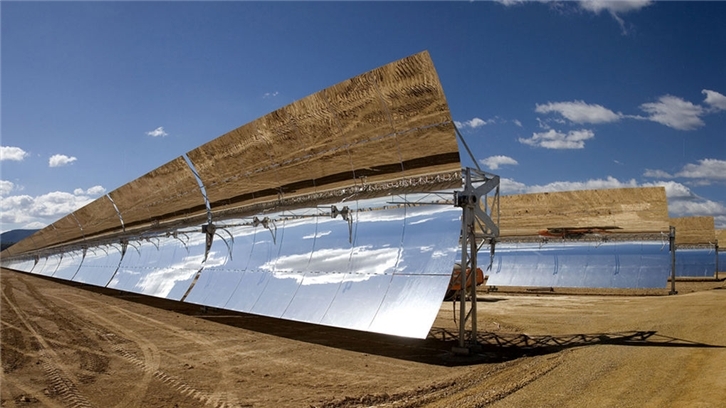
(76, 346)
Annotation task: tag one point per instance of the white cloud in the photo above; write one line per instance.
(719, 221)
(696, 207)
(674, 112)
(15, 210)
(509, 186)
(656, 174)
(510, 2)
(158, 132)
(473, 123)
(6, 187)
(96, 191)
(93, 191)
(592, 184)
(270, 94)
(674, 190)
(35, 225)
(716, 100)
(24, 211)
(707, 169)
(58, 160)
(615, 8)
(493, 162)
(580, 112)
(552, 139)
(684, 202)
(12, 153)
(516, 122)
(668, 110)
(543, 124)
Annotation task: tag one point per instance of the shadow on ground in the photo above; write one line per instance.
(436, 349)
(507, 346)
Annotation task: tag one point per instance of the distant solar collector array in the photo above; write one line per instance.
(582, 265)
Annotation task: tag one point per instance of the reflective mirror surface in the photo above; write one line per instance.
(577, 265)
(322, 211)
(696, 262)
(99, 264)
(361, 273)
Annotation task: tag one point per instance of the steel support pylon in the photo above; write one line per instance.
(479, 226)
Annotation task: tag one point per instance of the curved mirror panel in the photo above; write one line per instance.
(430, 240)
(187, 262)
(534, 265)
(570, 270)
(99, 265)
(545, 272)
(38, 266)
(24, 265)
(581, 265)
(51, 265)
(225, 266)
(377, 239)
(695, 262)
(601, 266)
(524, 264)
(328, 264)
(629, 264)
(287, 269)
(416, 297)
(135, 263)
(69, 265)
(655, 268)
(255, 279)
(168, 269)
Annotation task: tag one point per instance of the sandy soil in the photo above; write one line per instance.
(74, 346)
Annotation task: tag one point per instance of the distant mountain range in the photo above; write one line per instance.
(9, 238)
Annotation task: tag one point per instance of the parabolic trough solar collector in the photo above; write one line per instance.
(289, 216)
(623, 264)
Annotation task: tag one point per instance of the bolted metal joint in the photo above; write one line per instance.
(462, 199)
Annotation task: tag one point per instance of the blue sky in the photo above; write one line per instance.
(551, 96)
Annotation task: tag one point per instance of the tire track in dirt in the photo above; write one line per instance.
(227, 380)
(47, 402)
(478, 388)
(211, 349)
(14, 349)
(72, 324)
(176, 383)
(50, 361)
(134, 396)
(150, 365)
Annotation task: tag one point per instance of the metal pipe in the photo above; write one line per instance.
(717, 267)
(466, 146)
(672, 241)
(473, 277)
(462, 274)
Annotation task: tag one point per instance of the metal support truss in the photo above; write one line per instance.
(672, 246)
(479, 226)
